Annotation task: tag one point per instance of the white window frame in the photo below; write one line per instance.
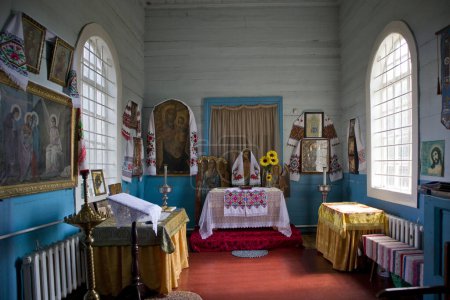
(89, 31)
(382, 194)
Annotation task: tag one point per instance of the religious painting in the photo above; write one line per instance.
(432, 158)
(115, 188)
(172, 138)
(33, 37)
(353, 162)
(313, 124)
(98, 181)
(61, 62)
(314, 155)
(36, 140)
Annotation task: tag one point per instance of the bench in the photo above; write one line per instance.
(399, 252)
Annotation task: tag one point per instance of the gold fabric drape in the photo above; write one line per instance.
(234, 128)
(161, 258)
(159, 271)
(339, 230)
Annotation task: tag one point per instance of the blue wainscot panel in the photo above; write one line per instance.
(437, 232)
(26, 212)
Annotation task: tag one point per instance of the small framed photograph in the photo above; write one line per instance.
(314, 155)
(61, 62)
(33, 36)
(313, 124)
(98, 182)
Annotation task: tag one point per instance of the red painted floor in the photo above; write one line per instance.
(285, 273)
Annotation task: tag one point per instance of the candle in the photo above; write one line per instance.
(165, 174)
(324, 175)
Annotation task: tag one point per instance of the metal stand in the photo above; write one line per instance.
(165, 189)
(137, 290)
(87, 219)
(324, 189)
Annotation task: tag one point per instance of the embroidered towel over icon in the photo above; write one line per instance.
(245, 203)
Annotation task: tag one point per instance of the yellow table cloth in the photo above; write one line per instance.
(339, 230)
(161, 257)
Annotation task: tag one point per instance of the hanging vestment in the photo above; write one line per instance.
(298, 133)
(133, 154)
(12, 54)
(150, 162)
(362, 163)
(237, 176)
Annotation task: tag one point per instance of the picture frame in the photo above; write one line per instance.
(40, 122)
(33, 37)
(98, 182)
(432, 160)
(313, 124)
(314, 156)
(61, 62)
(172, 138)
(352, 151)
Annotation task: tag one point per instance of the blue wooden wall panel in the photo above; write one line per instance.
(25, 212)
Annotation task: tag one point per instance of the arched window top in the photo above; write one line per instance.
(392, 116)
(100, 89)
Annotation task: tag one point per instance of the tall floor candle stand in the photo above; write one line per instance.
(87, 219)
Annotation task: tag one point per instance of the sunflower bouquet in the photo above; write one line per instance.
(267, 162)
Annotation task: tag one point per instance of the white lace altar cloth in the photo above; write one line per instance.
(213, 214)
(128, 209)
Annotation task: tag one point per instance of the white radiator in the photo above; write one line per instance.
(55, 271)
(405, 231)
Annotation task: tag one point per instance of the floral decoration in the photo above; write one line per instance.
(268, 161)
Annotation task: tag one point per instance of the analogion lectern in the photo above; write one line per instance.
(129, 209)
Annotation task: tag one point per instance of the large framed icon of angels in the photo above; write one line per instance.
(36, 140)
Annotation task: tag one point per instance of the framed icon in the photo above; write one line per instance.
(98, 182)
(61, 62)
(313, 124)
(33, 37)
(315, 154)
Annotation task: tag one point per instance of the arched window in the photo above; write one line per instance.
(392, 117)
(99, 88)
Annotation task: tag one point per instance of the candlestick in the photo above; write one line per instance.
(165, 174)
(324, 175)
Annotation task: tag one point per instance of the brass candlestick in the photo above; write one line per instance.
(324, 189)
(165, 189)
(87, 219)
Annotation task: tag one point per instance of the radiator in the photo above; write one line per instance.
(54, 271)
(405, 231)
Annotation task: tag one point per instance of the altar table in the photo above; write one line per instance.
(161, 257)
(213, 213)
(339, 230)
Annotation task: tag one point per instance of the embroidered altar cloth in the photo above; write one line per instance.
(213, 213)
(238, 202)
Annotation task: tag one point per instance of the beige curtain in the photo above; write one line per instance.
(234, 128)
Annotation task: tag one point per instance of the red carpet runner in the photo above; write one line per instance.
(244, 239)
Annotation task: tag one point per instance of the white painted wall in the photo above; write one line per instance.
(360, 24)
(292, 50)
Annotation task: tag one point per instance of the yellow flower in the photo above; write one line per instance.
(274, 161)
(269, 177)
(272, 154)
(264, 161)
